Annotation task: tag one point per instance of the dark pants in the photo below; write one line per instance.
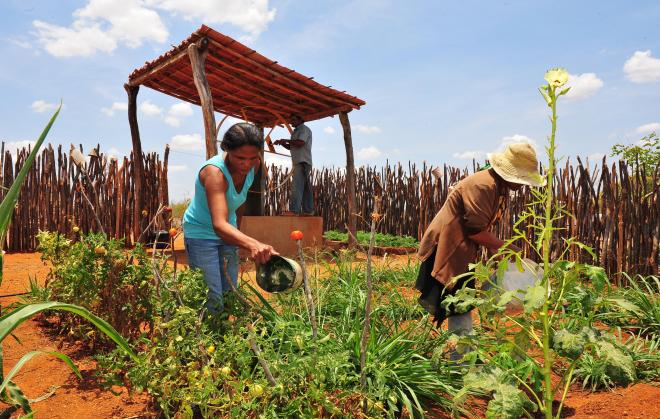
(434, 293)
(301, 192)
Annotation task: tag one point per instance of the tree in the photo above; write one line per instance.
(646, 153)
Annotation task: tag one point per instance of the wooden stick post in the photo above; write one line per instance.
(197, 53)
(138, 167)
(350, 177)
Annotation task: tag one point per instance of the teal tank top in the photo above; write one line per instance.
(197, 222)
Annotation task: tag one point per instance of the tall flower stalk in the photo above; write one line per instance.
(556, 79)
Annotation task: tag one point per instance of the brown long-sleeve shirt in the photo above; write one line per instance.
(473, 206)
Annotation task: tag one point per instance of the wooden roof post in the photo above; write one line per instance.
(350, 178)
(197, 53)
(138, 166)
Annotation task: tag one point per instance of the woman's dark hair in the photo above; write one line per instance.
(242, 134)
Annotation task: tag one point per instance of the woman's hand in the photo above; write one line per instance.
(514, 248)
(261, 252)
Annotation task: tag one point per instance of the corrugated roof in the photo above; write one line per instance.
(243, 83)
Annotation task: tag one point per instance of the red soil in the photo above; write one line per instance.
(72, 398)
(86, 398)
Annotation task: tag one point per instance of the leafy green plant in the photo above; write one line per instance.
(635, 307)
(196, 365)
(101, 275)
(605, 366)
(559, 310)
(383, 240)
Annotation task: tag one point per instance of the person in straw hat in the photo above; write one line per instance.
(451, 241)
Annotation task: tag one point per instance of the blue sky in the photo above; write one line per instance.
(444, 81)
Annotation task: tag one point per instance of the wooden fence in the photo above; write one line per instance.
(614, 208)
(52, 195)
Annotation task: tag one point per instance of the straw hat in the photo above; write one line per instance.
(517, 164)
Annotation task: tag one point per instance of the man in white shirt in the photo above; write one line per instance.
(300, 145)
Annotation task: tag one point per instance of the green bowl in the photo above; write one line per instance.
(279, 274)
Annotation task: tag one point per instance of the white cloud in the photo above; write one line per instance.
(277, 160)
(481, 154)
(470, 155)
(80, 40)
(583, 85)
(368, 153)
(596, 157)
(642, 67)
(176, 112)
(518, 138)
(366, 129)
(103, 25)
(149, 108)
(42, 106)
(252, 16)
(181, 109)
(116, 106)
(21, 43)
(172, 121)
(177, 168)
(329, 130)
(112, 153)
(14, 146)
(648, 128)
(187, 142)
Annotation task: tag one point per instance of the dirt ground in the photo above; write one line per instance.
(70, 397)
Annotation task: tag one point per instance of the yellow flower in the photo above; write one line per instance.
(225, 371)
(556, 77)
(210, 349)
(179, 338)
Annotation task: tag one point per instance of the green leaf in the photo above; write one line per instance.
(9, 202)
(12, 320)
(519, 264)
(17, 395)
(28, 356)
(508, 402)
(625, 305)
(567, 344)
(506, 298)
(598, 276)
(618, 366)
(534, 298)
(564, 91)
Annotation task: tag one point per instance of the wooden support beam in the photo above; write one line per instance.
(350, 178)
(138, 166)
(197, 54)
(162, 65)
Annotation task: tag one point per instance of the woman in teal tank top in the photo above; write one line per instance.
(211, 221)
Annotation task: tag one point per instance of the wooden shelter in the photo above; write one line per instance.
(222, 75)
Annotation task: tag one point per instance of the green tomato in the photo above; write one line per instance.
(256, 390)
